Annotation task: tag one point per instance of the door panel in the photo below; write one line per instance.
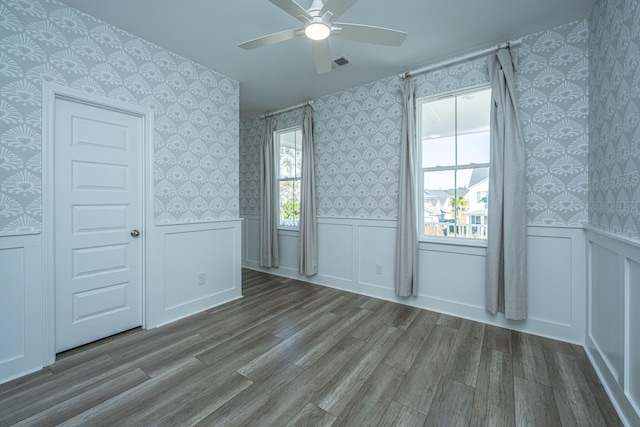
(102, 259)
(94, 218)
(97, 204)
(97, 302)
(100, 176)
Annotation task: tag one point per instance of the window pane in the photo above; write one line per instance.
(438, 151)
(473, 127)
(438, 132)
(474, 111)
(290, 203)
(471, 203)
(473, 148)
(287, 163)
(439, 188)
(289, 155)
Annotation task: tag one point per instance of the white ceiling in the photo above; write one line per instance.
(276, 76)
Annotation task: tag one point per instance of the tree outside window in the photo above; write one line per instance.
(459, 205)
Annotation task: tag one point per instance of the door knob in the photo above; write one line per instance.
(135, 233)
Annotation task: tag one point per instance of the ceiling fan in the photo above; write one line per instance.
(319, 24)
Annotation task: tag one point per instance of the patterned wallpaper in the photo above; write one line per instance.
(357, 140)
(614, 128)
(195, 110)
(554, 109)
(357, 134)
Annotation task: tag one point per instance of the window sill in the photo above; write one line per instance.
(288, 231)
(457, 247)
(454, 246)
(453, 241)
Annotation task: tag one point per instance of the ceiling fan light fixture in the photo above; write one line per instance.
(317, 31)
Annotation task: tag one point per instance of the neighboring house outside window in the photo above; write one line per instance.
(453, 135)
(288, 145)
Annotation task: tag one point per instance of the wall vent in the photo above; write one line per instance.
(340, 62)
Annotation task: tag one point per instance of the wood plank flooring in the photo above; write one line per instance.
(295, 354)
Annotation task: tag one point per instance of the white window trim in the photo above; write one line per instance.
(276, 147)
(457, 241)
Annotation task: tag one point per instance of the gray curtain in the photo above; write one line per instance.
(506, 287)
(407, 238)
(308, 235)
(269, 209)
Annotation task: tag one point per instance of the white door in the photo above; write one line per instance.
(98, 199)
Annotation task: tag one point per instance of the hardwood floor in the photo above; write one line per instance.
(292, 353)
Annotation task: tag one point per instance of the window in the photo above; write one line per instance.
(288, 145)
(482, 196)
(454, 150)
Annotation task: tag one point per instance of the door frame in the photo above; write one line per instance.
(50, 93)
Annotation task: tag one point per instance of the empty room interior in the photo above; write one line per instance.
(320, 212)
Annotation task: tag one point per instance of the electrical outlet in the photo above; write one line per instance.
(201, 279)
(378, 268)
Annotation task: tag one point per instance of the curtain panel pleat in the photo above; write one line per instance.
(506, 272)
(308, 234)
(269, 256)
(406, 280)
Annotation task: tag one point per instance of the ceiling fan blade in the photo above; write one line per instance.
(292, 8)
(337, 7)
(322, 56)
(272, 39)
(370, 34)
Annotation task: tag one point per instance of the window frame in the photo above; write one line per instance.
(276, 147)
(423, 238)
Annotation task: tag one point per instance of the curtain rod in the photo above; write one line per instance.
(282, 110)
(465, 57)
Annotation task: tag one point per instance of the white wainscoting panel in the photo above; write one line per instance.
(607, 307)
(212, 249)
(613, 318)
(451, 276)
(549, 275)
(377, 247)
(288, 250)
(21, 306)
(251, 241)
(12, 304)
(335, 252)
(633, 335)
